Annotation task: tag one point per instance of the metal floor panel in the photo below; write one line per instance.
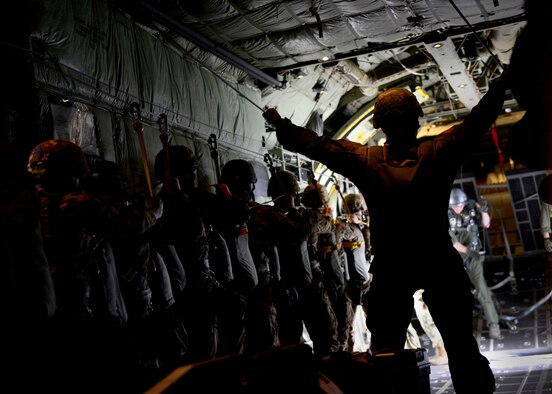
(522, 358)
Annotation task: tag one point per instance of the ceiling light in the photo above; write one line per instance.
(325, 58)
(298, 73)
(437, 45)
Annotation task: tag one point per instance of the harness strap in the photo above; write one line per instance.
(328, 248)
(352, 245)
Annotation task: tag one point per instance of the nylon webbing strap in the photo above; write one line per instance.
(352, 245)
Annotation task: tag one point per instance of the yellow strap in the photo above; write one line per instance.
(352, 245)
(328, 248)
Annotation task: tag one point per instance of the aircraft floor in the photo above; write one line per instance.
(522, 357)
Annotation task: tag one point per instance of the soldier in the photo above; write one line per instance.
(231, 220)
(26, 285)
(201, 224)
(323, 251)
(290, 237)
(184, 226)
(404, 172)
(89, 308)
(467, 218)
(57, 168)
(301, 298)
(355, 241)
(125, 230)
(261, 323)
(103, 183)
(29, 290)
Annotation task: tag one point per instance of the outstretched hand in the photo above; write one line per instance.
(272, 116)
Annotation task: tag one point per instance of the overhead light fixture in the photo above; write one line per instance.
(298, 73)
(325, 58)
(437, 45)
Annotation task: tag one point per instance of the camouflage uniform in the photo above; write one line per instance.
(464, 228)
(302, 297)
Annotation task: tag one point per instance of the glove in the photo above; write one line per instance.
(155, 206)
(272, 116)
(548, 245)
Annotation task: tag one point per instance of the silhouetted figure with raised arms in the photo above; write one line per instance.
(409, 172)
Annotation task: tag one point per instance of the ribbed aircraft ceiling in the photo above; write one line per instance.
(367, 44)
(287, 34)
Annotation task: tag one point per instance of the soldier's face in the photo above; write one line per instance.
(458, 208)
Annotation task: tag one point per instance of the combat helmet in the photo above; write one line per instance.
(282, 182)
(182, 161)
(238, 172)
(457, 197)
(240, 177)
(354, 202)
(395, 105)
(55, 159)
(315, 195)
(105, 177)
